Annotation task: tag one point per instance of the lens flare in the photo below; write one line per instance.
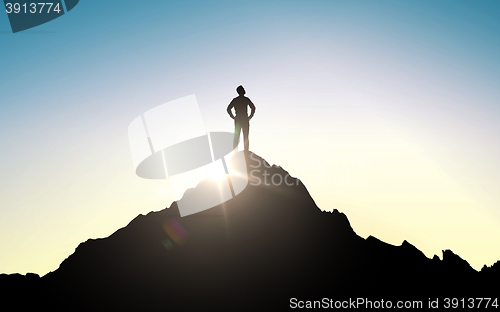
(167, 244)
(176, 232)
(215, 172)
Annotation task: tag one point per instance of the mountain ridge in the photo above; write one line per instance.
(270, 240)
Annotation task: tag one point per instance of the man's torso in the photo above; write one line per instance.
(240, 104)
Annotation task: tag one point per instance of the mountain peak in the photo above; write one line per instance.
(269, 239)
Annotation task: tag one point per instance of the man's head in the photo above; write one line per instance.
(240, 90)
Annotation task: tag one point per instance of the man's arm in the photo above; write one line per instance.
(252, 107)
(229, 109)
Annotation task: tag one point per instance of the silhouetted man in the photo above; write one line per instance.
(241, 120)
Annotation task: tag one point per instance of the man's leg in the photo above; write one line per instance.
(246, 127)
(237, 130)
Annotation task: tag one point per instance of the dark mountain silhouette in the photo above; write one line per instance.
(267, 245)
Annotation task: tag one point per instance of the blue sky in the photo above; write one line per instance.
(413, 84)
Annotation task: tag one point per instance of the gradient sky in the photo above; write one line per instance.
(398, 100)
